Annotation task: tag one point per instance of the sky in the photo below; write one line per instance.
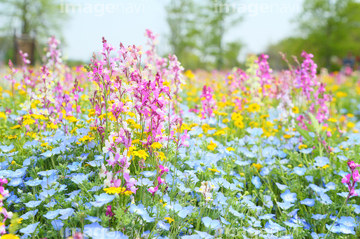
(265, 22)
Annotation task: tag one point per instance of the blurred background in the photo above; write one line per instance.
(207, 34)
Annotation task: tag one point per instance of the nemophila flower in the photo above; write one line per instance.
(33, 203)
(30, 228)
(256, 181)
(308, 202)
(287, 196)
(102, 199)
(285, 205)
(211, 224)
(321, 161)
(281, 186)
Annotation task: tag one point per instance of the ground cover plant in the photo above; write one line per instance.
(133, 146)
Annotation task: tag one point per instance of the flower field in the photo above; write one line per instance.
(134, 146)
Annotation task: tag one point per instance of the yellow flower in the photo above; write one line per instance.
(300, 165)
(29, 122)
(156, 145)
(230, 149)
(225, 121)
(161, 156)
(220, 132)
(340, 94)
(9, 236)
(350, 125)
(239, 124)
(295, 110)
(72, 119)
(350, 115)
(15, 127)
(127, 193)
(44, 144)
(302, 146)
(236, 116)
(214, 170)
(254, 108)
(242, 174)
(325, 167)
(211, 146)
(169, 219)
(257, 166)
(114, 190)
(332, 120)
(141, 154)
(2, 115)
(189, 74)
(286, 136)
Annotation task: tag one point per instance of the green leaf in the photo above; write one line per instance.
(304, 133)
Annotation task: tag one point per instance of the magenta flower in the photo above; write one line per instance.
(109, 213)
(153, 190)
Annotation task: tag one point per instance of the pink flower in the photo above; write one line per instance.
(352, 165)
(346, 179)
(163, 169)
(153, 190)
(356, 176)
(109, 213)
(160, 180)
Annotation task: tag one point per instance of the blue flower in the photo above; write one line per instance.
(267, 217)
(6, 149)
(15, 182)
(52, 214)
(318, 216)
(272, 227)
(57, 224)
(281, 186)
(209, 223)
(285, 205)
(33, 183)
(102, 199)
(321, 161)
(203, 235)
(32, 203)
(324, 199)
(330, 186)
(287, 196)
(79, 178)
(306, 151)
(28, 214)
(66, 213)
(256, 181)
(255, 132)
(47, 173)
(308, 202)
(29, 229)
(223, 220)
(74, 166)
(268, 202)
(299, 171)
(347, 221)
(163, 225)
(92, 219)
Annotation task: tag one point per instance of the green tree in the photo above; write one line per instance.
(328, 27)
(184, 32)
(42, 17)
(218, 17)
(198, 30)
